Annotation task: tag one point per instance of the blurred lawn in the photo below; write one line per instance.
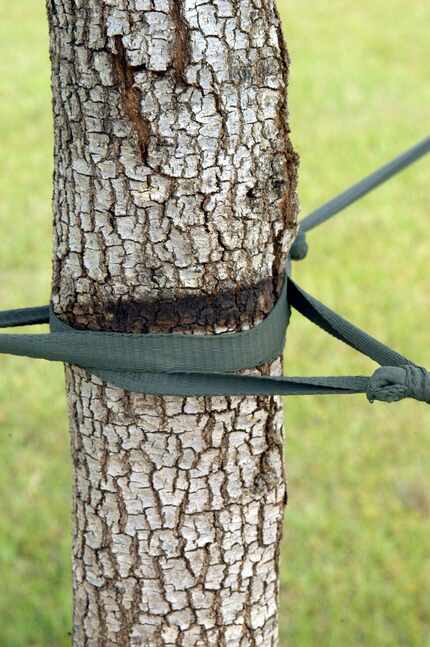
(356, 556)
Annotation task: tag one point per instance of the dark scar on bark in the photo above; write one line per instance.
(201, 312)
(181, 51)
(131, 96)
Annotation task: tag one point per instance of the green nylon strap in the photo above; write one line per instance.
(354, 193)
(24, 317)
(177, 364)
(153, 353)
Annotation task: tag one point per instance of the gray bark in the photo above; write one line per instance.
(174, 208)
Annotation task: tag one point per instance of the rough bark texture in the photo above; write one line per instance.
(174, 208)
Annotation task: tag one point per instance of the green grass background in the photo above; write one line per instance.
(356, 554)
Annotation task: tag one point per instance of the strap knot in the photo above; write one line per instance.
(300, 248)
(394, 383)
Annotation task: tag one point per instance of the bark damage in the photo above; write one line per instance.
(131, 97)
(244, 306)
(181, 53)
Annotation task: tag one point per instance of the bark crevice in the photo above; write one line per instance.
(181, 48)
(131, 97)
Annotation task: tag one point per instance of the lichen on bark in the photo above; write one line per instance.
(174, 208)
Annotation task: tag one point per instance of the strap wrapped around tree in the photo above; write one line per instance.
(177, 364)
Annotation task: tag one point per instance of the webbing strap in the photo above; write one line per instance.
(355, 192)
(149, 353)
(341, 328)
(24, 317)
(177, 364)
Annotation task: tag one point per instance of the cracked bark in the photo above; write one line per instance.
(174, 209)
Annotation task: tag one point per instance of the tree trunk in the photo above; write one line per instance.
(174, 208)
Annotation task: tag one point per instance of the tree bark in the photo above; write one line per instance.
(174, 209)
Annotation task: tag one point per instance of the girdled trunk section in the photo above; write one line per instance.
(174, 208)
